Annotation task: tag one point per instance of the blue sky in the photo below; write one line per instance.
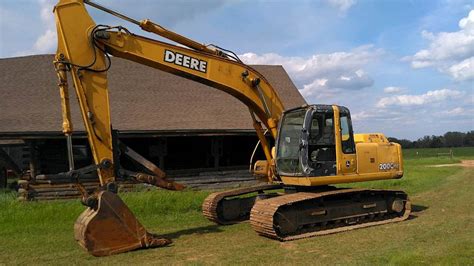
(404, 68)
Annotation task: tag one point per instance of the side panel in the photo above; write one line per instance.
(388, 157)
(367, 160)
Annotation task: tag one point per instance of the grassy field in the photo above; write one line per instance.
(459, 153)
(441, 230)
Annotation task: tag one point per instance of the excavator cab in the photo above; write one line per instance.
(306, 145)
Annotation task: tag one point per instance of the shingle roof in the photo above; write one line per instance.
(141, 97)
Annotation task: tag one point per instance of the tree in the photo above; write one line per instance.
(405, 143)
(436, 141)
(393, 140)
(454, 139)
(424, 142)
(469, 139)
(449, 139)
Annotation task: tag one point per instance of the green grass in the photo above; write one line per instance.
(459, 153)
(441, 232)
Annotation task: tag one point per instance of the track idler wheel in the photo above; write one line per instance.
(111, 228)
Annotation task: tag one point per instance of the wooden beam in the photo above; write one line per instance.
(8, 162)
(33, 159)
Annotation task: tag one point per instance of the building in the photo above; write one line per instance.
(184, 127)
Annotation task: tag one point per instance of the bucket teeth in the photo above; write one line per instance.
(155, 241)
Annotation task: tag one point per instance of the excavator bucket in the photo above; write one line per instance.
(111, 228)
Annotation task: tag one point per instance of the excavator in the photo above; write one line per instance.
(315, 147)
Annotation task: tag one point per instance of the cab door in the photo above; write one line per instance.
(345, 146)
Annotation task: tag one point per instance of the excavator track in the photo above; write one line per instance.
(307, 214)
(226, 208)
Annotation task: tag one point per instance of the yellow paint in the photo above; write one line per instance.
(338, 179)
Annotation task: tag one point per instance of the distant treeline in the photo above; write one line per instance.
(448, 140)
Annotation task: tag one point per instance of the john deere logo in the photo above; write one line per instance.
(185, 61)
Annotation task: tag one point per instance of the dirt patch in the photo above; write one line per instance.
(467, 163)
(464, 163)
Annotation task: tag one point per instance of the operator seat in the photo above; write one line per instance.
(327, 136)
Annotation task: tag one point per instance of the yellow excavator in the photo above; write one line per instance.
(315, 146)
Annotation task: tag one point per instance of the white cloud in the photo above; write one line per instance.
(450, 52)
(393, 90)
(324, 88)
(463, 70)
(322, 75)
(318, 89)
(455, 111)
(422, 99)
(459, 113)
(47, 41)
(378, 115)
(342, 5)
(46, 11)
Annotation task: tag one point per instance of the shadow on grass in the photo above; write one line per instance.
(418, 208)
(197, 230)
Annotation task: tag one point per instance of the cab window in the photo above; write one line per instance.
(347, 136)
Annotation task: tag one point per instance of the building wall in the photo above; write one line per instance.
(175, 155)
(194, 154)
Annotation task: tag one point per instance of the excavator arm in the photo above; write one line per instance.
(84, 50)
